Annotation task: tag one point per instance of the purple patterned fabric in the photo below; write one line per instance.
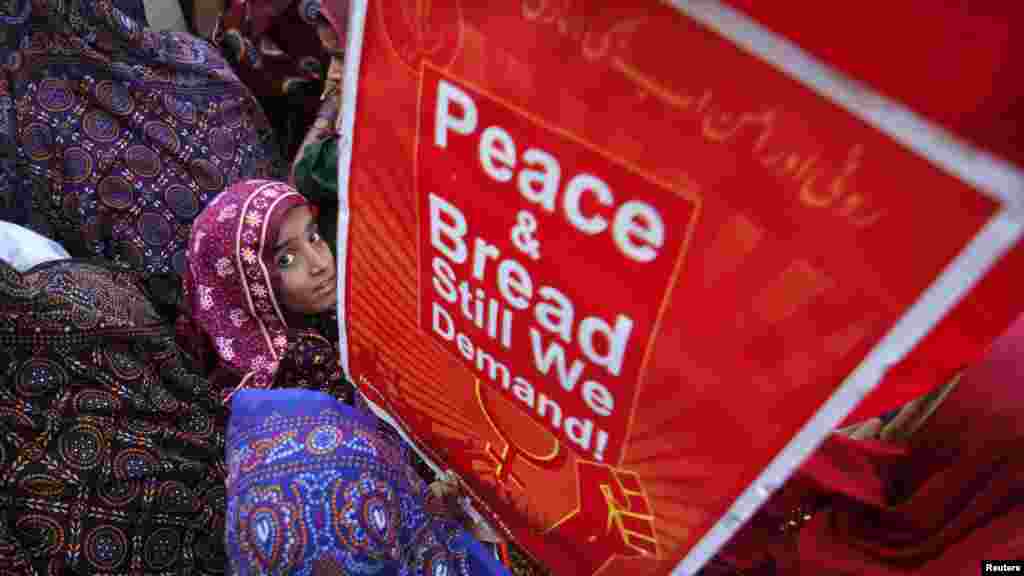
(229, 284)
(313, 489)
(113, 137)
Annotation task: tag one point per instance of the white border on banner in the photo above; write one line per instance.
(344, 128)
(957, 158)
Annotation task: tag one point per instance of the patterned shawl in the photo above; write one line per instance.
(313, 489)
(113, 137)
(111, 447)
(229, 284)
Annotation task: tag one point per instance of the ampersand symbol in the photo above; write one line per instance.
(522, 235)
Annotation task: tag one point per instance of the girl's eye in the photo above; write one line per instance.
(285, 260)
(315, 237)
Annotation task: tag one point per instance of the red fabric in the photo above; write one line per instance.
(960, 339)
(969, 50)
(952, 497)
(952, 62)
(264, 28)
(229, 285)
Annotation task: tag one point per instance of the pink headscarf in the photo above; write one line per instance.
(229, 281)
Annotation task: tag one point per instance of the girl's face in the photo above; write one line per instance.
(304, 264)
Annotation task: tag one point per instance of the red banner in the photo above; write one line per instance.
(508, 228)
(605, 264)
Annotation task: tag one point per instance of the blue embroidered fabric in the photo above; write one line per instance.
(313, 489)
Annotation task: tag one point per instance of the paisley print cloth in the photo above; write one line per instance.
(313, 489)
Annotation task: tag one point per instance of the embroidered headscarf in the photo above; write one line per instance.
(230, 284)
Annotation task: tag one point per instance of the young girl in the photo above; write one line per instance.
(315, 166)
(317, 155)
(261, 291)
(260, 295)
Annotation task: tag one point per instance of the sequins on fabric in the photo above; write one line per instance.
(106, 548)
(272, 531)
(39, 376)
(96, 401)
(46, 534)
(162, 548)
(119, 494)
(81, 446)
(324, 440)
(367, 516)
(175, 496)
(134, 463)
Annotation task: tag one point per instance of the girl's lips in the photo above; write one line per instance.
(327, 285)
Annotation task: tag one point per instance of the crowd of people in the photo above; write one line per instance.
(171, 398)
(163, 269)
